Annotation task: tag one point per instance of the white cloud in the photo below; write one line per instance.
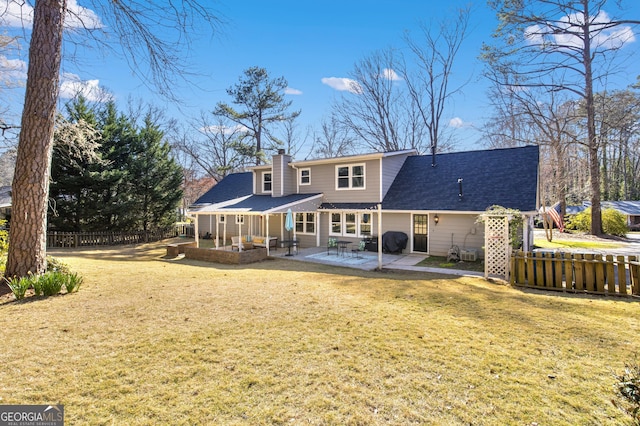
(343, 84)
(81, 17)
(390, 74)
(601, 36)
(72, 86)
(292, 91)
(226, 130)
(12, 71)
(20, 14)
(458, 123)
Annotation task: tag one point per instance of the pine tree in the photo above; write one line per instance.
(156, 179)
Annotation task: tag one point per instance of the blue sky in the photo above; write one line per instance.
(310, 43)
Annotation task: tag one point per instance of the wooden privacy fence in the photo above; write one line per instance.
(576, 272)
(90, 239)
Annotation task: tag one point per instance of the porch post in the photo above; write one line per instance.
(317, 228)
(266, 224)
(525, 233)
(380, 236)
(239, 234)
(195, 229)
(217, 230)
(224, 232)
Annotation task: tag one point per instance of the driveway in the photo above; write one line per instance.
(631, 247)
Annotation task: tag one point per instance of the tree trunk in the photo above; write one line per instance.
(30, 189)
(594, 163)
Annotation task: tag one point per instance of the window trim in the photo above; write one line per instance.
(350, 176)
(264, 174)
(307, 169)
(343, 224)
(305, 223)
(239, 219)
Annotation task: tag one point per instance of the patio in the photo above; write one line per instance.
(364, 260)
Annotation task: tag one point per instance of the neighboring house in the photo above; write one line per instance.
(5, 202)
(435, 201)
(631, 210)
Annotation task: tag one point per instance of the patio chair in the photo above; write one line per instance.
(332, 244)
(361, 247)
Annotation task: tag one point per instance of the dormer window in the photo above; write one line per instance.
(266, 182)
(305, 176)
(350, 177)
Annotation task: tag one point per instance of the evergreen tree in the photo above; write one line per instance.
(118, 143)
(76, 141)
(156, 179)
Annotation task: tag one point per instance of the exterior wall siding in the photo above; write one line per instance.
(466, 234)
(390, 168)
(323, 179)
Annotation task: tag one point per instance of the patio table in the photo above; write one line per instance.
(342, 246)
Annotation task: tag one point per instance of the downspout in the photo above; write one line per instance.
(297, 178)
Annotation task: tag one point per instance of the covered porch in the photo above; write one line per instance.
(255, 220)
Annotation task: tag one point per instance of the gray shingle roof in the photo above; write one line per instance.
(506, 177)
(232, 186)
(261, 203)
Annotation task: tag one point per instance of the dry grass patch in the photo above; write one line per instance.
(152, 341)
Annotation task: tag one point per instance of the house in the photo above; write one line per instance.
(5, 202)
(435, 201)
(630, 209)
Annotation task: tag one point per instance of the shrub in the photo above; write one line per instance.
(51, 282)
(613, 222)
(56, 265)
(580, 221)
(73, 282)
(4, 237)
(19, 286)
(628, 392)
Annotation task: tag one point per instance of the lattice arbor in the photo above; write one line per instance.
(497, 250)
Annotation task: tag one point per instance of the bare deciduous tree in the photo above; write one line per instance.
(215, 148)
(333, 140)
(157, 36)
(560, 45)
(429, 85)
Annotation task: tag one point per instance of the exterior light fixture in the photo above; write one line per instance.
(436, 219)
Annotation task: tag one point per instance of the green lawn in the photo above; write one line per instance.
(149, 341)
(441, 262)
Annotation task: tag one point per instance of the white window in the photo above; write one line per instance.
(350, 224)
(305, 176)
(350, 177)
(266, 182)
(305, 223)
(221, 218)
(365, 224)
(239, 219)
(336, 224)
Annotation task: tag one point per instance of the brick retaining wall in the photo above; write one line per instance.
(225, 256)
(173, 250)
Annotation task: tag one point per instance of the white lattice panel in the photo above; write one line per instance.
(497, 247)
